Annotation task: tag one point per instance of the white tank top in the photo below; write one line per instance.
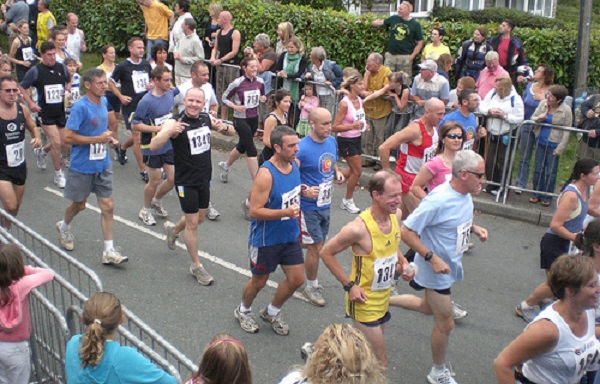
(571, 357)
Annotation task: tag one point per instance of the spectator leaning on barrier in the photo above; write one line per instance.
(378, 109)
(590, 144)
(406, 39)
(504, 110)
(18, 11)
(321, 70)
(428, 84)
(470, 58)
(510, 50)
(187, 51)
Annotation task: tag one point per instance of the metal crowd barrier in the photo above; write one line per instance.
(50, 303)
(531, 180)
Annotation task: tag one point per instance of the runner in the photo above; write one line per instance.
(274, 232)
(374, 237)
(193, 169)
(318, 170)
(154, 109)
(52, 82)
(14, 118)
(90, 169)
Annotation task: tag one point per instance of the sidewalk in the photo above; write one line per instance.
(516, 207)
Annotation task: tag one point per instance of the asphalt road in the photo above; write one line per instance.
(157, 286)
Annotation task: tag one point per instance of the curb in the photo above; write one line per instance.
(518, 211)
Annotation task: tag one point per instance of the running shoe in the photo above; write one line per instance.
(169, 229)
(122, 155)
(113, 257)
(146, 216)
(66, 238)
(212, 213)
(348, 205)
(158, 209)
(527, 314)
(457, 311)
(277, 324)
(306, 351)
(314, 295)
(40, 155)
(59, 179)
(444, 377)
(144, 176)
(224, 171)
(246, 210)
(201, 275)
(247, 320)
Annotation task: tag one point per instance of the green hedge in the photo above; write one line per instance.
(347, 39)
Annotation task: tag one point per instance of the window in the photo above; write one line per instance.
(423, 7)
(536, 7)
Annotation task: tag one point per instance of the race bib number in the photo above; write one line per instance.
(588, 360)
(290, 198)
(383, 272)
(463, 237)
(15, 154)
(75, 95)
(359, 116)
(27, 54)
(468, 144)
(53, 93)
(429, 154)
(140, 80)
(251, 98)
(324, 197)
(199, 140)
(97, 151)
(161, 120)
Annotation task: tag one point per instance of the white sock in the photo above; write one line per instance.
(312, 283)
(64, 226)
(272, 310)
(225, 166)
(108, 245)
(348, 200)
(59, 172)
(244, 309)
(156, 201)
(438, 368)
(524, 305)
(247, 203)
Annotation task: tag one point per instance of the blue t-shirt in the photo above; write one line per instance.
(119, 365)
(545, 133)
(89, 119)
(469, 123)
(285, 192)
(443, 220)
(154, 110)
(317, 167)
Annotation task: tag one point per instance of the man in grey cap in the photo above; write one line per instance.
(428, 84)
(13, 14)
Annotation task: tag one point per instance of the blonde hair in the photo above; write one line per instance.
(351, 80)
(504, 86)
(217, 8)
(343, 355)
(101, 314)
(349, 71)
(288, 31)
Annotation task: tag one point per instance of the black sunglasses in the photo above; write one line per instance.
(453, 136)
(479, 175)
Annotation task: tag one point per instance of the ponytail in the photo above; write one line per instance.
(102, 315)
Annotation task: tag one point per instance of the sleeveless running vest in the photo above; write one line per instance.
(412, 157)
(12, 139)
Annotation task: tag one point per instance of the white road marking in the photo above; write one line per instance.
(162, 237)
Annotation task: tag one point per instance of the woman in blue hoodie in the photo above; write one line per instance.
(94, 358)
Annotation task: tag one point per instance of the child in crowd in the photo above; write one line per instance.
(95, 358)
(224, 361)
(16, 281)
(308, 102)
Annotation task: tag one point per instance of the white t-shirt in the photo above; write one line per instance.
(209, 95)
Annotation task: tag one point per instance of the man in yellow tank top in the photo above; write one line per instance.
(374, 237)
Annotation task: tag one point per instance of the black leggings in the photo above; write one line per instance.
(246, 128)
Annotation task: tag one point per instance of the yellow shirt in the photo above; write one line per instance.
(42, 27)
(157, 19)
(433, 53)
(374, 272)
(378, 108)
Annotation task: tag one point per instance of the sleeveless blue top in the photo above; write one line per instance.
(575, 225)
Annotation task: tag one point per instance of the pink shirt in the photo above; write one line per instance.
(440, 172)
(310, 103)
(352, 115)
(486, 79)
(15, 322)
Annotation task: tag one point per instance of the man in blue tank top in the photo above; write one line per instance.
(274, 232)
(318, 170)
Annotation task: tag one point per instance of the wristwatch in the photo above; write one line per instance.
(349, 286)
(428, 256)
